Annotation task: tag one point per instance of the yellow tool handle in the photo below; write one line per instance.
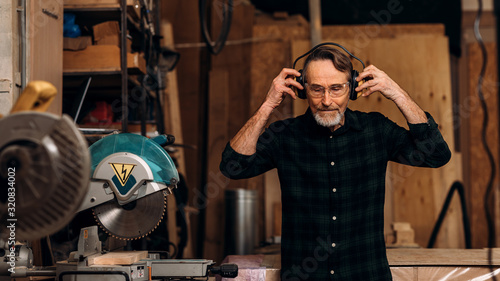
(37, 96)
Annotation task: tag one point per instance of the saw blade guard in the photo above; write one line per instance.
(158, 160)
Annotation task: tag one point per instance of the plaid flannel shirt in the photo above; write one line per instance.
(333, 188)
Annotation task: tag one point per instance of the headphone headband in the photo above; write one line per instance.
(327, 43)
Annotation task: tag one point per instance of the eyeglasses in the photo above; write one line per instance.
(335, 90)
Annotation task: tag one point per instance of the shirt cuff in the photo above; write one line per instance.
(423, 130)
(233, 163)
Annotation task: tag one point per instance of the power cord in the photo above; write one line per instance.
(227, 13)
(489, 189)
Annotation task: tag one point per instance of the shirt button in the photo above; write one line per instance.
(334, 218)
(334, 190)
(332, 163)
(332, 272)
(331, 137)
(333, 245)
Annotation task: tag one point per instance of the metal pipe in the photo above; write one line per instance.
(21, 9)
(41, 272)
(123, 65)
(315, 21)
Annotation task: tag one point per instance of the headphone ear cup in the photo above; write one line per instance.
(353, 95)
(301, 93)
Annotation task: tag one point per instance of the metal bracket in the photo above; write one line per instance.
(50, 14)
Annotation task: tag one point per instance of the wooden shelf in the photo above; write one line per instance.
(104, 85)
(111, 82)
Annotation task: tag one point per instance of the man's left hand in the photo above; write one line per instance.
(377, 80)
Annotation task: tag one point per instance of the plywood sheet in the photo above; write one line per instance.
(363, 34)
(270, 54)
(420, 64)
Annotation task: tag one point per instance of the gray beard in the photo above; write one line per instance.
(328, 121)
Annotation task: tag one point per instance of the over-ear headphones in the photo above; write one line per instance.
(353, 95)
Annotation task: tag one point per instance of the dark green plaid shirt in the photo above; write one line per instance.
(333, 188)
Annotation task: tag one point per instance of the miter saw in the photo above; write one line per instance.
(123, 178)
(130, 177)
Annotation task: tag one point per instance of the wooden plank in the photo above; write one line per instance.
(471, 114)
(173, 125)
(363, 34)
(441, 257)
(172, 109)
(216, 183)
(45, 61)
(101, 58)
(112, 258)
(420, 64)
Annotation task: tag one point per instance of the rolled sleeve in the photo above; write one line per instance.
(234, 164)
(430, 149)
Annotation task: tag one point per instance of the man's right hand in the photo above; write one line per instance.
(282, 86)
(245, 141)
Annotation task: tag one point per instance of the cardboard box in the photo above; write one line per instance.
(76, 44)
(107, 33)
(100, 58)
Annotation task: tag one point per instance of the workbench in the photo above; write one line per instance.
(407, 264)
(442, 264)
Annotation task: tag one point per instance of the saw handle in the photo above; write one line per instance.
(164, 140)
(37, 96)
(227, 270)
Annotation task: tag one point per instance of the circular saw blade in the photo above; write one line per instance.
(133, 220)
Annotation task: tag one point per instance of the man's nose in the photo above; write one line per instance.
(327, 99)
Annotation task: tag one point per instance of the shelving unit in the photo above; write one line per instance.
(107, 72)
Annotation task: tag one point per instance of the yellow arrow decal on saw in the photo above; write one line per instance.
(122, 171)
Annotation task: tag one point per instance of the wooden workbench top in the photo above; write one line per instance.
(441, 257)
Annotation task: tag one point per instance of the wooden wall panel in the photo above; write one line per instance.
(270, 53)
(471, 114)
(217, 139)
(186, 29)
(420, 64)
(234, 86)
(45, 44)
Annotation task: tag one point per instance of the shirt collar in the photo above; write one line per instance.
(351, 122)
